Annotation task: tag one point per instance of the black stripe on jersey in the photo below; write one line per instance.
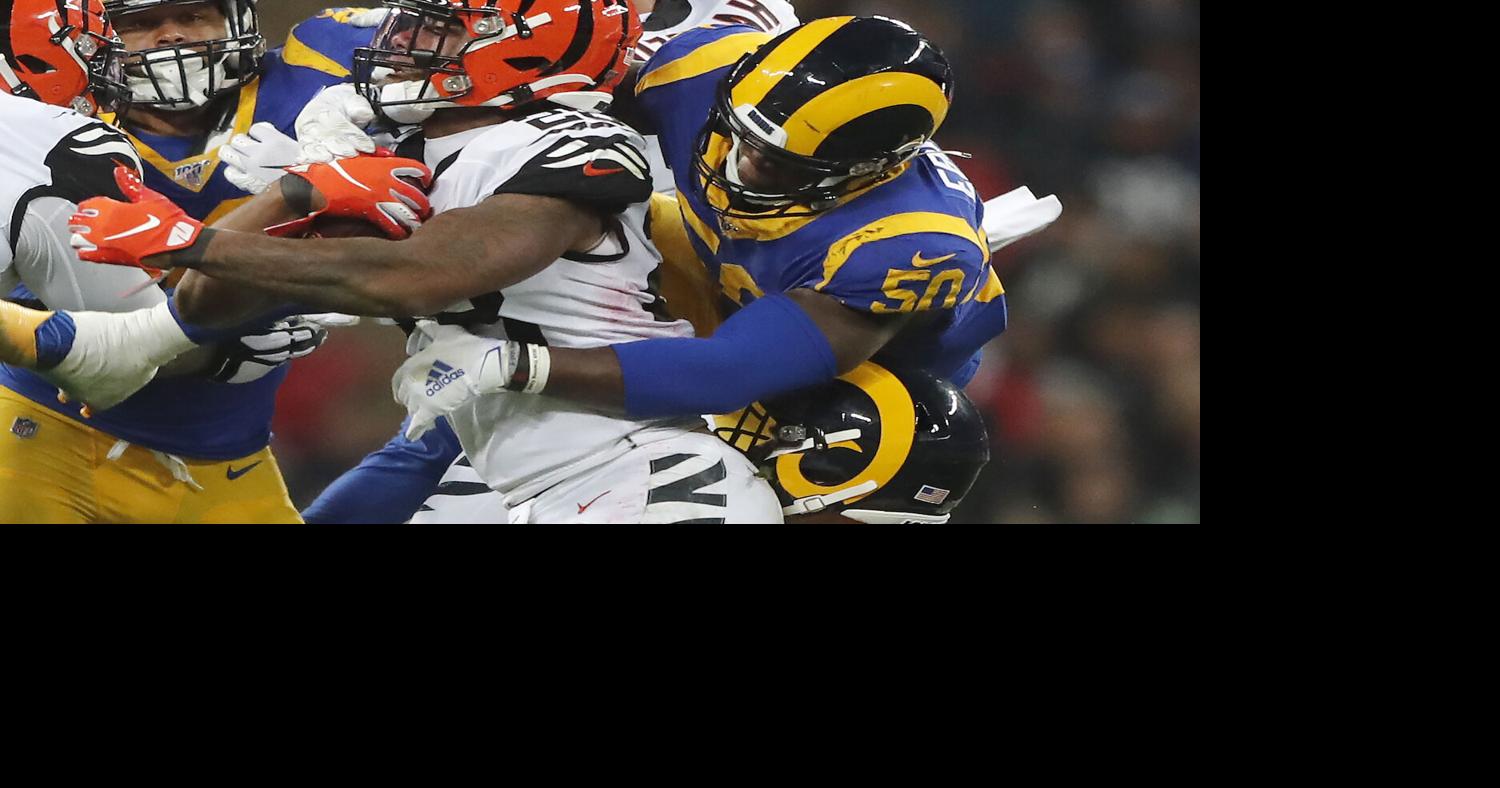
(699, 521)
(522, 331)
(463, 488)
(685, 490)
(444, 165)
(608, 174)
(413, 146)
(486, 312)
(81, 165)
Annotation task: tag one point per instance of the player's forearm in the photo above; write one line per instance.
(354, 275)
(768, 348)
(591, 376)
(454, 256)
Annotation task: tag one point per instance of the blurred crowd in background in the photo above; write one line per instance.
(1093, 394)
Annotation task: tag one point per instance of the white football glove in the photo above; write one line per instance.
(114, 355)
(256, 160)
(449, 368)
(253, 356)
(332, 126)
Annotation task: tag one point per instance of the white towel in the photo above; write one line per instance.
(1018, 214)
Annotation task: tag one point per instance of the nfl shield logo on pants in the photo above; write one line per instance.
(24, 428)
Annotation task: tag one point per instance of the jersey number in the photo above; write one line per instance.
(899, 279)
(952, 176)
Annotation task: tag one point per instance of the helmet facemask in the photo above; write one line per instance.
(818, 184)
(189, 75)
(414, 64)
(436, 54)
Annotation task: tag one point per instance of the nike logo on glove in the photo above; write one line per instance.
(917, 260)
(231, 474)
(151, 223)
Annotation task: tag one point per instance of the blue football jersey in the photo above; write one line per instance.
(911, 242)
(192, 416)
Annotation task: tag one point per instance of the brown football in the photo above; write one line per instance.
(344, 227)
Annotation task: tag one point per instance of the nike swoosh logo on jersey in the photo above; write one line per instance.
(583, 507)
(231, 474)
(591, 169)
(917, 260)
(151, 223)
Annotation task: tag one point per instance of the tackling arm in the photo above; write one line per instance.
(777, 344)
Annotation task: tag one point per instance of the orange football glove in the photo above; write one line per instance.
(126, 233)
(381, 188)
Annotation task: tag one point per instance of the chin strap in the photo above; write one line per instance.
(817, 503)
(874, 517)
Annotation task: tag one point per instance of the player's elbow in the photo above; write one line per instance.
(403, 295)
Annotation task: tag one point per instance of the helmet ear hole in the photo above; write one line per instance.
(527, 63)
(35, 64)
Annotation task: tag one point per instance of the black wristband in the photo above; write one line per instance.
(297, 193)
(193, 255)
(522, 375)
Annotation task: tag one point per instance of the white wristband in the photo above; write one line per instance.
(541, 369)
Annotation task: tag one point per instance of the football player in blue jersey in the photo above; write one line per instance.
(836, 232)
(809, 188)
(199, 74)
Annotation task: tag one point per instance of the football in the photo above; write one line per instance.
(344, 227)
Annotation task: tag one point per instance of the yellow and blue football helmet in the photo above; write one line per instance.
(833, 106)
(874, 446)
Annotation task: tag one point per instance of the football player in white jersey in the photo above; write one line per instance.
(60, 64)
(527, 177)
(398, 477)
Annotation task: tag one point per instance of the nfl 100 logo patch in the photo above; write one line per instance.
(932, 495)
(24, 428)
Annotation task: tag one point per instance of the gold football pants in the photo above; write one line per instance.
(55, 470)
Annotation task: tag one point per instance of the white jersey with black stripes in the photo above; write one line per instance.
(522, 445)
(53, 159)
(672, 17)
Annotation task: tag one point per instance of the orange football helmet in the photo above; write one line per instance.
(431, 54)
(62, 52)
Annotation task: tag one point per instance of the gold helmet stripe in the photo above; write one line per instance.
(756, 85)
(819, 118)
(709, 57)
(893, 403)
(895, 226)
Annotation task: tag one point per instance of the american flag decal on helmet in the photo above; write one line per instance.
(24, 428)
(932, 495)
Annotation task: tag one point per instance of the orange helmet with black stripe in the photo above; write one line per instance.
(432, 54)
(61, 52)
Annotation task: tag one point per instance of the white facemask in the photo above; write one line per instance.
(169, 82)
